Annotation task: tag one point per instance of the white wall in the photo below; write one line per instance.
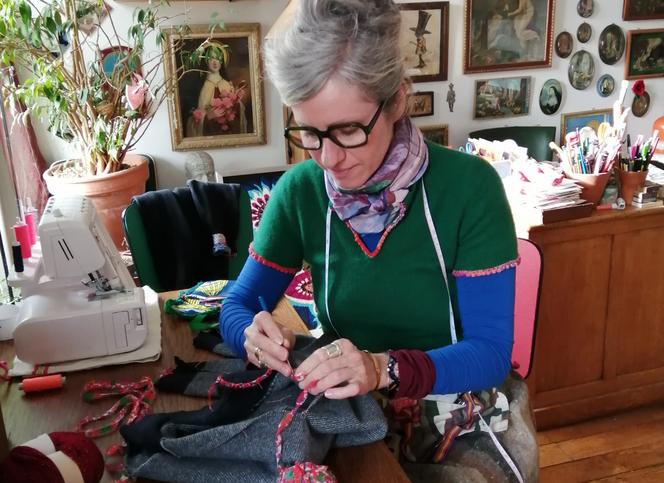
(170, 164)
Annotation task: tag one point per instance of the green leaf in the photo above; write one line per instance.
(51, 26)
(141, 15)
(26, 13)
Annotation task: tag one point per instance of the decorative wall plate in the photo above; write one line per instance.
(605, 85)
(611, 44)
(584, 32)
(641, 104)
(551, 96)
(585, 8)
(581, 69)
(564, 44)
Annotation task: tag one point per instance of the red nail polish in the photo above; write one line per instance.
(312, 386)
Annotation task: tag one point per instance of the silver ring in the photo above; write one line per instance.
(257, 354)
(332, 350)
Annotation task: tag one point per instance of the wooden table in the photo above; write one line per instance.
(598, 348)
(28, 416)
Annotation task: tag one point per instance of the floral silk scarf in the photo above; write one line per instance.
(373, 207)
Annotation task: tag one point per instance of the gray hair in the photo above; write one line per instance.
(357, 40)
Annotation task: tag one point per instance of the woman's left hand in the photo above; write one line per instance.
(340, 370)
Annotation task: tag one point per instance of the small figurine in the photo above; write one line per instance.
(451, 97)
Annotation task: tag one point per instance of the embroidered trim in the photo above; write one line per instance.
(487, 271)
(270, 264)
(358, 239)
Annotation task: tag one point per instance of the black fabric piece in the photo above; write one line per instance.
(208, 199)
(195, 378)
(179, 236)
(211, 340)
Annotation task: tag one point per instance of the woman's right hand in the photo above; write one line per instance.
(268, 343)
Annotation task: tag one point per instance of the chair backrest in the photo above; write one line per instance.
(535, 138)
(526, 304)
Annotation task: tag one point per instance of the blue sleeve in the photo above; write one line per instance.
(237, 312)
(483, 358)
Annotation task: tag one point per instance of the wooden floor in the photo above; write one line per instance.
(628, 447)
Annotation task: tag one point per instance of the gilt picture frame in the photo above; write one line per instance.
(499, 35)
(570, 121)
(645, 54)
(437, 133)
(424, 40)
(218, 103)
(643, 10)
(420, 104)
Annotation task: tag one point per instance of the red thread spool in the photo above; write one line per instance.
(22, 233)
(44, 383)
(30, 220)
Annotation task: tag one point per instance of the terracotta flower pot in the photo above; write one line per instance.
(109, 193)
(630, 181)
(592, 185)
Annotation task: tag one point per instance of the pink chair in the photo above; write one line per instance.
(526, 304)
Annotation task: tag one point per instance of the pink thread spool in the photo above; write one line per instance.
(32, 228)
(22, 234)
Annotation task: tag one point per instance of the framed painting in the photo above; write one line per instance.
(645, 54)
(499, 98)
(420, 104)
(643, 9)
(507, 34)
(424, 40)
(219, 102)
(572, 121)
(437, 133)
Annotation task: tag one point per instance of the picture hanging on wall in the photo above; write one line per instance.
(585, 8)
(503, 35)
(611, 44)
(424, 40)
(219, 103)
(564, 44)
(499, 98)
(645, 54)
(571, 121)
(420, 104)
(551, 96)
(581, 70)
(643, 10)
(605, 85)
(438, 133)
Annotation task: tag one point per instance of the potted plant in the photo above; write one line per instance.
(96, 89)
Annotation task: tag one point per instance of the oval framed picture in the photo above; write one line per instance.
(641, 104)
(585, 8)
(564, 44)
(581, 69)
(605, 85)
(611, 44)
(551, 96)
(584, 32)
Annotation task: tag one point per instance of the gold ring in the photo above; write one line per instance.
(257, 354)
(332, 350)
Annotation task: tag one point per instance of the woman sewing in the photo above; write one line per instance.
(411, 246)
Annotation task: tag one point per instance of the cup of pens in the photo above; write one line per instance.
(633, 168)
(587, 158)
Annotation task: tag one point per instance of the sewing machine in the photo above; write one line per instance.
(79, 299)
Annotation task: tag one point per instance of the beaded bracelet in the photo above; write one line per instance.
(376, 368)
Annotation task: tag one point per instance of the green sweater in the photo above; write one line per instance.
(398, 298)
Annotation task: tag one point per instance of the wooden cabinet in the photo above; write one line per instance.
(600, 334)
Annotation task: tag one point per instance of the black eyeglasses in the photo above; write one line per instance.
(346, 135)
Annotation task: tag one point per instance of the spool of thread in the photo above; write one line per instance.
(43, 383)
(31, 212)
(32, 229)
(22, 234)
(17, 256)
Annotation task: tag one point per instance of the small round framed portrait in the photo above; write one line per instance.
(641, 104)
(564, 44)
(584, 32)
(585, 8)
(581, 69)
(605, 85)
(551, 96)
(611, 44)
